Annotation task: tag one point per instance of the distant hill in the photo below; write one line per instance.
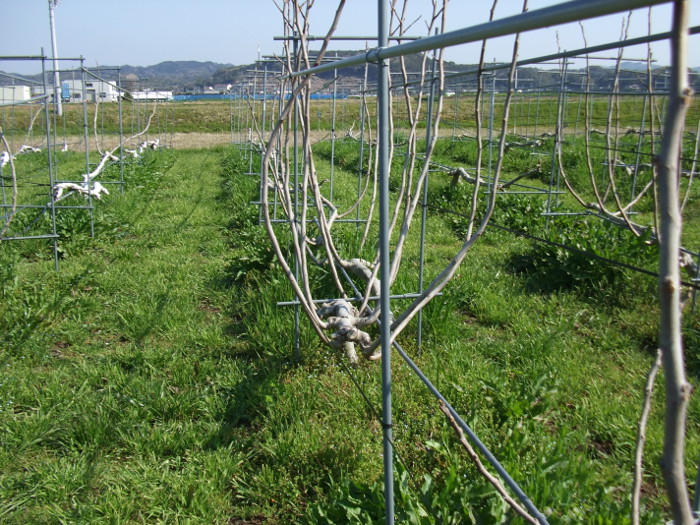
(636, 66)
(181, 75)
(192, 76)
(353, 75)
(632, 76)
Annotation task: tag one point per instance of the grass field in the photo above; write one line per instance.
(153, 380)
(531, 113)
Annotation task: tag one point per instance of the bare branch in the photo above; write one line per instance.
(642, 436)
(678, 390)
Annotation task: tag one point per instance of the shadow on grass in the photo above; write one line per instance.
(243, 415)
(261, 368)
(262, 359)
(36, 313)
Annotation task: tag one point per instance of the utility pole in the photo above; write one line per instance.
(56, 78)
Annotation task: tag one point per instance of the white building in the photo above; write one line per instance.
(12, 94)
(95, 91)
(152, 95)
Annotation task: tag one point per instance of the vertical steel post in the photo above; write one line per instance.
(121, 129)
(639, 149)
(517, 106)
(272, 113)
(87, 143)
(51, 165)
(578, 111)
(559, 123)
(264, 107)
(263, 183)
(247, 123)
(456, 112)
(297, 350)
(280, 104)
(2, 189)
(561, 119)
(537, 106)
(528, 132)
(385, 258)
(230, 114)
(254, 114)
(335, 93)
(236, 137)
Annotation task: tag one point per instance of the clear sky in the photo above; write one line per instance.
(146, 32)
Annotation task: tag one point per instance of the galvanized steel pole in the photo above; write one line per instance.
(333, 106)
(536, 19)
(84, 94)
(297, 264)
(54, 51)
(120, 109)
(52, 202)
(384, 258)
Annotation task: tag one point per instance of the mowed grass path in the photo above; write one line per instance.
(151, 379)
(117, 382)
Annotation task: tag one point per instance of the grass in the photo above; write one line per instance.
(152, 379)
(531, 114)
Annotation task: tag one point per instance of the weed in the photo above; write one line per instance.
(553, 266)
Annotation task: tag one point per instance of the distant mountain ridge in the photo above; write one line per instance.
(174, 75)
(194, 76)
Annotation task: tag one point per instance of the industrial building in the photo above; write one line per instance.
(95, 91)
(14, 94)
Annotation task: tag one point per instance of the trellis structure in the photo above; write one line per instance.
(28, 192)
(295, 180)
(39, 188)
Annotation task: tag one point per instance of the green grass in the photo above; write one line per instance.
(152, 379)
(530, 114)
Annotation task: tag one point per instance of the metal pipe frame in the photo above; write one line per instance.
(31, 237)
(51, 167)
(39, 98)
(87, 143)
(21, 79)
(470, 433)
(311, 38)
(578, 52)
(572, 11)
(424, 200)
(92, 73)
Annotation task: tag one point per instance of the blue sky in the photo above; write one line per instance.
(146, 32)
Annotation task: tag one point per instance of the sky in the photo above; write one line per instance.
(147, 32)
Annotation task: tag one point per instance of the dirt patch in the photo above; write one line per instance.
(198, 140)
